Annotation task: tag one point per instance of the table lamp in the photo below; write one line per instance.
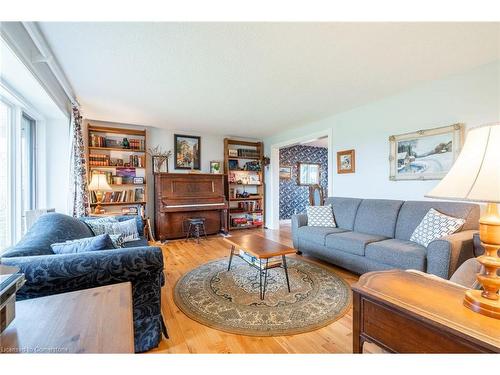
(99, 184)
(475, 176)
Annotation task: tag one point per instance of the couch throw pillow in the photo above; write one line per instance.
(320, 216)
(435, 225)
(82, 245)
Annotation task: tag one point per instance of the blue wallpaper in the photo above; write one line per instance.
(294, 198)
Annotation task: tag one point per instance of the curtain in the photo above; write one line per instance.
(78, 172)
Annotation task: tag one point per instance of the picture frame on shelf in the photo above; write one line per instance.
(138, 180)
(232, 153)
(346, 161)
(233, 165)
(187, 150)
(215, 167)
(425, 154)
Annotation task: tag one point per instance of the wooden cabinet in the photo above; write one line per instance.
(406, 312)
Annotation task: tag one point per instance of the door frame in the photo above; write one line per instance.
(273, 208)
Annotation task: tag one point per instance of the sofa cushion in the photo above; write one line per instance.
(316, 234)
(398, 253)
(48, 229)
(344, 211)
(82, 245)
(351, 242)
(377, 216)
(136, 243)
(412, 213)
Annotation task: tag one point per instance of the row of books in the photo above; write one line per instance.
(132, 144)
(254, 219)
(249, 258)
(123, 196)
(137, 161)
(99, 160)
(109, 175)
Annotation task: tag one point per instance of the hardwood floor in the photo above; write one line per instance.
(188, 336)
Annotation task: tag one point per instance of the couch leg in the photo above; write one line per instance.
(299, 252)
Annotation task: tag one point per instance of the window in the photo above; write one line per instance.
(308, 173)
(17, 170)
(5, 218)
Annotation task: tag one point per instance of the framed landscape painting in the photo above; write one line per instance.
(187, 151)
(425, 154)
(285, 172)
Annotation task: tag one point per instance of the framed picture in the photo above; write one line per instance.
(286, 173)
(425, 154)
(346, 161)
(215, 167)
(308, 173)
(232, 152)
(138, 180)
(233, 165)
(187, 151)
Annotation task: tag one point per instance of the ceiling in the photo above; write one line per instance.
(255, 79)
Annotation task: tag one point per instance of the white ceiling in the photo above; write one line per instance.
(255, 79)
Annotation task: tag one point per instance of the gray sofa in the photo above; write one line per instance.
(374, 234)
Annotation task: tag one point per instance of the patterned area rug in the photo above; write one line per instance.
(229, 301)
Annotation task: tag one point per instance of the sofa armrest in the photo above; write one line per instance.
(298, 220)
(444, 255)
(52, 274)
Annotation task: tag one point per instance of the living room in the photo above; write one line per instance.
(250, 188)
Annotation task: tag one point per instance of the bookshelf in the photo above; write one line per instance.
(244, 183)
(124, 163)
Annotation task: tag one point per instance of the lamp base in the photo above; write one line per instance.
(487, 301)
(474, 301)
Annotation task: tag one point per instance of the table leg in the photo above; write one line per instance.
(286, 272)
(230, 258)
(265, 280)
(260, 279)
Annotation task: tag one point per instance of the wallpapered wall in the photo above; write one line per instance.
(293, 197)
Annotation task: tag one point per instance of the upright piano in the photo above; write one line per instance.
(179, 196)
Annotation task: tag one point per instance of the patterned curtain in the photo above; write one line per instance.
(78, 172)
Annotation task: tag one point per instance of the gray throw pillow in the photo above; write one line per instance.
(320, 216)
(435, 225)
(82, 245)
(117, 240)
(127, 229)
(102, 225)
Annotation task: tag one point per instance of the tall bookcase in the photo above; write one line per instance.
(244, 183)
(106, 154)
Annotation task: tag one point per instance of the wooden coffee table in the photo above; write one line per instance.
(262, 249)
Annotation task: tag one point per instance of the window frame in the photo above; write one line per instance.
(19, 107)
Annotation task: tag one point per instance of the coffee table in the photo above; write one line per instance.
(262, 249)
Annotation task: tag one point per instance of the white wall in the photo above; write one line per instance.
(472, 98)
(212, 149)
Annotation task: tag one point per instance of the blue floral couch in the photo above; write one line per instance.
(47, 273)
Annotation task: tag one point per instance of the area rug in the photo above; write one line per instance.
(229, 300)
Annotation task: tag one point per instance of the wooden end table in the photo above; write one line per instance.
(262, 249)
(96, 320)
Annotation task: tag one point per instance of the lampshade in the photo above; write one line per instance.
(99, 182)
(475, 176)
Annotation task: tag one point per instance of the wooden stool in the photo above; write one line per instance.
(196, 228)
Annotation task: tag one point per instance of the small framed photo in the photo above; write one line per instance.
(232, 153)
(286, 172)
(138, 180)
(233, 165)
(215, 167)
(346, 161)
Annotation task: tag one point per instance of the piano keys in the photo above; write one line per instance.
(179, 196)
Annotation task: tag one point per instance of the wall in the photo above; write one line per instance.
(293, 197)
(212, 149)
(472, 98)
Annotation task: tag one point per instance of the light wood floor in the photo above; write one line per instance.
(188, 336)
